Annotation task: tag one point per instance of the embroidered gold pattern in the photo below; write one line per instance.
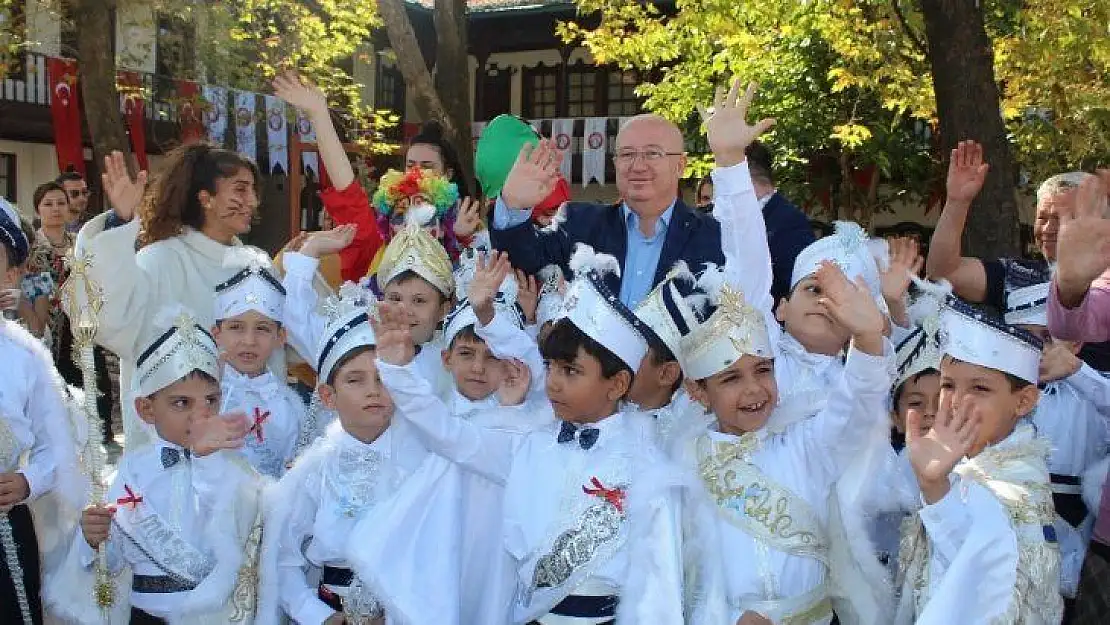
(1017, 475)
(750, 500)
(245, 596)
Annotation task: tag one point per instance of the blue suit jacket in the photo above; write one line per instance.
(788, 233)
(691, 236)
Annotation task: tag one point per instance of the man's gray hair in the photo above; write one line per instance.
(1060, 183)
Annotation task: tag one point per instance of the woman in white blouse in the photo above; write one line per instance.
(173, 253)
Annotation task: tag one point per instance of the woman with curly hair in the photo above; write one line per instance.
(173, 253)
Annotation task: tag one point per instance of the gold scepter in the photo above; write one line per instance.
(83, 300)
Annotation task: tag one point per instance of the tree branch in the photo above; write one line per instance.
(402, 38)
(914, 37)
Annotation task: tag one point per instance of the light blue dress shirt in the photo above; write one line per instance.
(641, 258)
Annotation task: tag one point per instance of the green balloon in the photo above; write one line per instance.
(497, 151)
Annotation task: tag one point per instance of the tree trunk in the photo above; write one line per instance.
(98, 78)
(962, 58)
(452, 79)
(430, 102)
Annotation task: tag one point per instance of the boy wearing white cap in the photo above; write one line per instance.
(248, 329)
(983, 547)
(1071, 415)
(352, 526)
(181, 526)
(588, 515)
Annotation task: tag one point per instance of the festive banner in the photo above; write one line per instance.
(190, 113)
(66, 114)
(277, 135)
(245, 140)
(307, 134)
(561, 132)
(133, 107)
(594, 146)
(215, 115)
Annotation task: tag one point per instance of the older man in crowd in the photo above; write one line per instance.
(1079, 310)
(648, 231)
(991, 281)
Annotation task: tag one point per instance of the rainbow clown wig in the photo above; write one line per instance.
(416, 196)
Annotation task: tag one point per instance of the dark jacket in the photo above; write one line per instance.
(691, 236)
(788, 233)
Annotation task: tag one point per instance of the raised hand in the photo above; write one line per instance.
(210, 434)
(96, 524)
(329, 241)
(393, 335)
(966, 172)
(298, 91)
(905, 261)
(727, 125)
(490, 271)
(296, 243)
(851, 305)
(528, 295)
(123, 193)
(937, 450)
(533, 176)
(1083, 244)
(1059, 361)
(468, 219)
(514, 384)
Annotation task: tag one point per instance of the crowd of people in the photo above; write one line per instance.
(529, 410)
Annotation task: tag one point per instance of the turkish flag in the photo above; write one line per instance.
(131, 98)
(189, 113)
(65, 111)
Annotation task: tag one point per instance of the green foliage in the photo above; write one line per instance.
(825, 131)
(849, 82)
(252, 40)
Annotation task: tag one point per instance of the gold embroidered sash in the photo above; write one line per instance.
(761, 507)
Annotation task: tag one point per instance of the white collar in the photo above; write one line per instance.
(380, 445)
(789, 344)
(462, 405)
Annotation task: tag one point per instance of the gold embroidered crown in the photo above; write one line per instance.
(413, 249)
(734, 329)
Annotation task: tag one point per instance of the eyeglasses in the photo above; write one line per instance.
(626, 158)
(76, 193)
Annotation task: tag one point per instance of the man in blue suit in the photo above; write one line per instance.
(648, 231)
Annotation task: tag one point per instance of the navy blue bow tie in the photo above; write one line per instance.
(171, 456)
(586, 436)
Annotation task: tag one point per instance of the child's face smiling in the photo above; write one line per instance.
(247, 341)
(743, 396)
(808, 322)
(171, 410)
(578, 391)
(989, 393)
(476, 371)
(423, 304)
(358, 395)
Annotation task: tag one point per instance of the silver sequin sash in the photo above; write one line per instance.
(165, 547)
(597, 528)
